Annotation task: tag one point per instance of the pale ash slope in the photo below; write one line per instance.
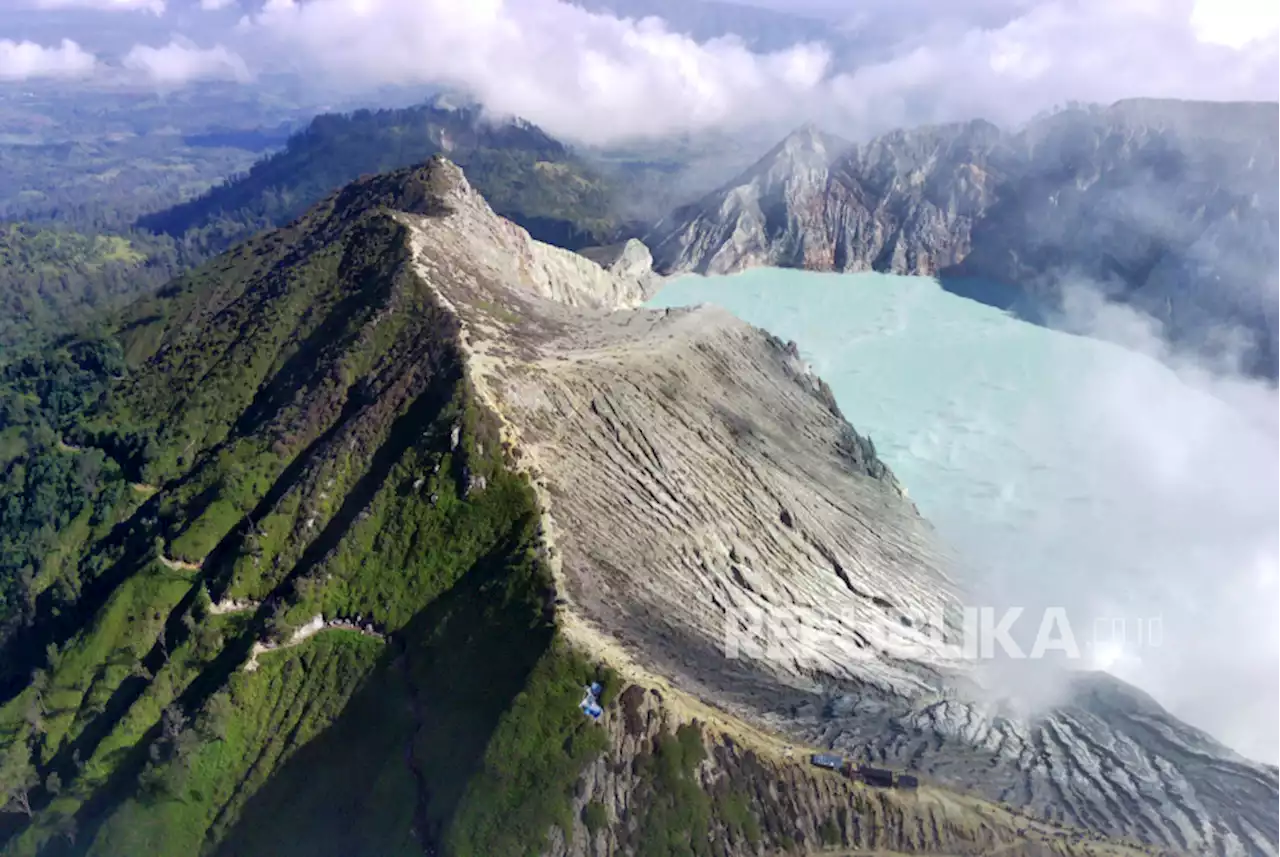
(705, 473)
(700, 486)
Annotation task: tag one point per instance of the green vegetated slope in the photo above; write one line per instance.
(526, 175)
(53, 498)
(53, 278)
(50, 278)
(289, 427)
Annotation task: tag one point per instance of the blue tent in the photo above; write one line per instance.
(590, 705)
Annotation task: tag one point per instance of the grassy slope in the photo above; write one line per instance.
(295, 402)
(48, 251)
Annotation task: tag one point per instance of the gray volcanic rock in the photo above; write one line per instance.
(629, 260)
(713, 521)
(1171, 206)
(904, 202)
(773, 214)
(1105, 756)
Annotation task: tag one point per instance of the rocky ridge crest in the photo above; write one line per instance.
(700, 490)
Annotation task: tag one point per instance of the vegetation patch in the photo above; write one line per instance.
(297, 412)
(674, 812)
(531, 765)
(523, 173)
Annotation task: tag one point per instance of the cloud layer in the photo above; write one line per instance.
(601, 77)
(156, 7)
(1053, 52)
(181, 62)
(597, 77)
(29, 61)
(589, 76)
(1188, 454)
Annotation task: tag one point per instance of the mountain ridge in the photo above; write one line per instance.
(1168, 206)
(401, 413)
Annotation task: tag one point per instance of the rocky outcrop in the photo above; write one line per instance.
(504, 252)
(771, 799)
(714, 522)
(1171, 206)
(629, 259)
(905, 202)
(774, 214)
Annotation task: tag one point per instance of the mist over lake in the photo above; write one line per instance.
(1066, 471)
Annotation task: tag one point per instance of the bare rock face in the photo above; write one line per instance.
(774, 214)
(905, 203)
(715, 523)
(499, 250)
(629, 259)
(771, 801)
(1171, 206)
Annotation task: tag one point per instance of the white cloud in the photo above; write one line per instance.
(1191, 461)
(596, 77)
(1235, 23)
(1053, 52)
(28, 60)
(590, 76)
(181, 62)
(154, 6)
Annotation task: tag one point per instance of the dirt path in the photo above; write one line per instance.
(231, 605)
(306, 632)
(178, 564)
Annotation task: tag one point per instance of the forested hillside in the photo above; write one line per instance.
(526, 175)
(54, 282)
(282, 433)
(51, 278)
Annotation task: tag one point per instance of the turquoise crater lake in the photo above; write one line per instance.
(1066, 470)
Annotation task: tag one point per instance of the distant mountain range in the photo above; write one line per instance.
(530, 177)
(1165, 205)
(1169, 206)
